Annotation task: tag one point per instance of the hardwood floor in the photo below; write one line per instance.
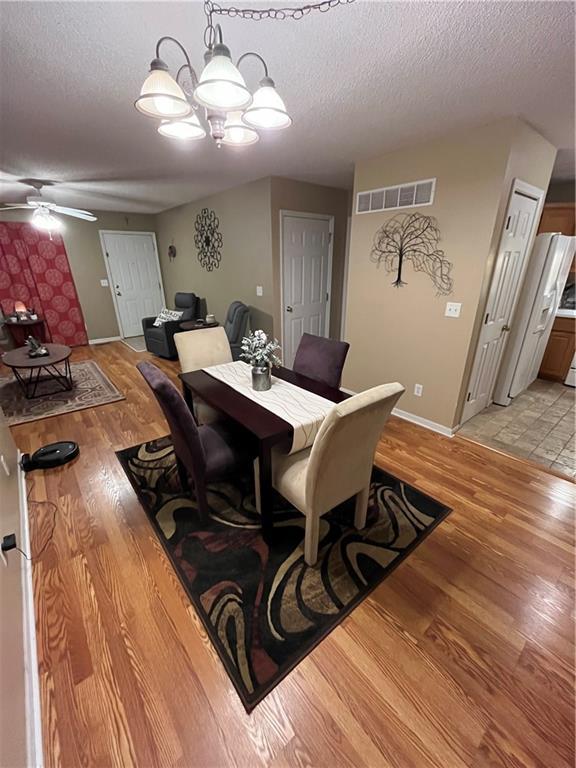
(462, 657)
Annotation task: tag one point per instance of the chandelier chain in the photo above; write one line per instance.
(259, 14)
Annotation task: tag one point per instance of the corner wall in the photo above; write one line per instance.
(244, 216)
(401, 334)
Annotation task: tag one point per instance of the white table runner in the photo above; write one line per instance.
(304, 410)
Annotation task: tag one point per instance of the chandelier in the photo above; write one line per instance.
(219, 101)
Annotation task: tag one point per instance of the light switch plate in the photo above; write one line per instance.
(104, 283)
(452, 309)
(259, 290)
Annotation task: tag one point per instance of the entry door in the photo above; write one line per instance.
(306, 255)
(135, 274)
(504, 291)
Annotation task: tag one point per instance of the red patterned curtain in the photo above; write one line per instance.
(34, 269)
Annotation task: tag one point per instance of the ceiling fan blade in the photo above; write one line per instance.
(76, 212)
(13, 207)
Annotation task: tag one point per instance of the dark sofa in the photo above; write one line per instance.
(160, 340)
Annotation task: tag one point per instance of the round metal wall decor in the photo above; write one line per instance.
(208, 240)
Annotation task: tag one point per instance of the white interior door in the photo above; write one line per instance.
(135, 276)
(306, 268)
(504, 291)
(560, 255)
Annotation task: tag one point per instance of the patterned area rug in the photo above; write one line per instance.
(91, 388)
(263, 607)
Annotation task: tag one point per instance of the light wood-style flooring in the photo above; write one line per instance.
(462, 657)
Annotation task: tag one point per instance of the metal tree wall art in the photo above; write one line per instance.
(208, 239)
(413, 238)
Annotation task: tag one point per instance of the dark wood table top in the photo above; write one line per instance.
(19, 358)
(264, 424)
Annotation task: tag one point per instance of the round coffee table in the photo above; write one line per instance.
(28, 370)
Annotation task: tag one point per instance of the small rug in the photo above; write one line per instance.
(263, 607)
(91, 388)
(136, 343)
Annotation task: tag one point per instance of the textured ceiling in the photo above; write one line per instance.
(360, 80)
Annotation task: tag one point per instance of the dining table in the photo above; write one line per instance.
(270, 431)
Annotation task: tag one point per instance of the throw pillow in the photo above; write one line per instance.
(166, 315)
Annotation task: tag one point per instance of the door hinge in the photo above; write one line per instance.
(107, 255)
(329, 237)
(486, 318)
(327, 296)
(469, 396)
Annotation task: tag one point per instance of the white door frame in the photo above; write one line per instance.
(539, 195)
(102, 233)
(324, 217)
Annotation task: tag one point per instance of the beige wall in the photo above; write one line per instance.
(290, 195)
(82, 242)
(244, 214)
(402, 333)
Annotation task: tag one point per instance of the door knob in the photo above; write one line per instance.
(505, 328)
(289, 309)
(118, 293)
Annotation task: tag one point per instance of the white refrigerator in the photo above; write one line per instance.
(539, 300)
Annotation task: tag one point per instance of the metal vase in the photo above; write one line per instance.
(261, 378)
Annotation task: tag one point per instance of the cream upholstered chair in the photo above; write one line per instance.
(339, 463)
(201, 349)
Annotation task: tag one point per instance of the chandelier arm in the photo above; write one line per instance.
(193, 77)
(188, 64)
(257, 56)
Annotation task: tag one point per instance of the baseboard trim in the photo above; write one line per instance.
(105, 341)
(33, 709)
(422, 422)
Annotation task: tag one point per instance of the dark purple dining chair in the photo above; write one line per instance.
(205, 453)
(321, 359)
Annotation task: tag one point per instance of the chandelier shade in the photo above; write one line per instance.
(184, 128)
(236, 133)
(221, 86)
(267, 110)
(161, 96)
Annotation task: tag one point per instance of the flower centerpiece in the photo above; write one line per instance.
(260, 353)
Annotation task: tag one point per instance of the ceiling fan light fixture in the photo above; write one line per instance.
(161, 96)
(186, 128)
(267, 110)
(44, 220)
(221, 86)
(236, 133)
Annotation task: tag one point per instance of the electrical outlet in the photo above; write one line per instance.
(259, 290)
(418, 389)
(452, 309)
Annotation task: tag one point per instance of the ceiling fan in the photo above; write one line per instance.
(44, 210)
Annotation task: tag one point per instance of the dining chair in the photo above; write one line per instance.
(200, 349)
(321, 359)
(206, 453)
(339, 463)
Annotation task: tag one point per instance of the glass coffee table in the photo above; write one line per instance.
(31, 371)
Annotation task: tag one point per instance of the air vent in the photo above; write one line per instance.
(416, 193)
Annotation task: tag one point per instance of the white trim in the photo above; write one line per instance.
(345, 276)
(31, 675)
(422, 422)
(105, 341)
(102, 234)
(322, 217)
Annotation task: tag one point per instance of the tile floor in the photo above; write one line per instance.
(539, 425)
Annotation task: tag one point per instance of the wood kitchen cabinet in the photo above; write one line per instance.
(559, 350)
